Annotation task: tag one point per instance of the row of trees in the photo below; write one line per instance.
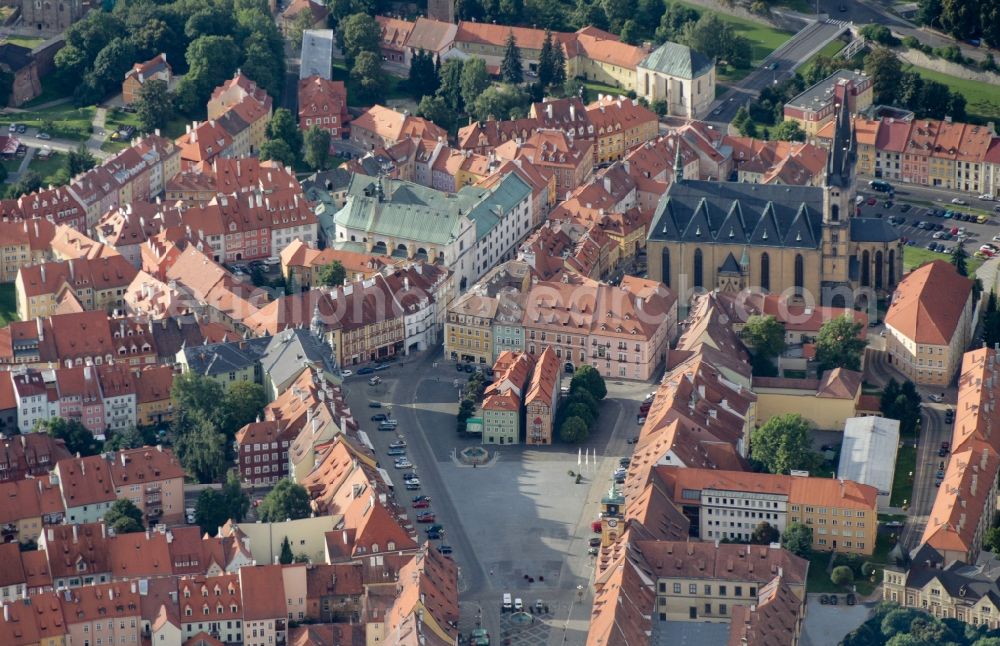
(901, 402)
(838, 344)
(906, 89)
(471, 393)
(205, 41)
(891, 625)
(579, 409)
(464, 87)
(963, 19)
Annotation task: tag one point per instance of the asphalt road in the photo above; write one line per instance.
(784, 60)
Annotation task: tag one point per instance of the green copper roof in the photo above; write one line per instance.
(678, 60)
(507, 195)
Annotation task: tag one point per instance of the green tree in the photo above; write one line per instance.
(929, 12)
(546, 60)
(798, 539)
(202, 452)
(989, 12)
(765, 334)
(783, 444)
(71, 64)
(618, 11)
(469, 10)
(587, 378)
(300, 23)
(210, 21)
(316, 148)
(211, 60)
(631, 33)
(30, 182)
(474, 80)
(286, 555)
(886, 72)
(261, 65)
(960, 18)
(155, 36)
(79, 160)
(450, 85)
(590, 13)
(879, 34)
(283, 127)
(435, 109)
(76, 436)
(511, 70)
(466, 409)
(277, 150)
(764, 534)
(236, 500)
(901, 403)
(673, 20)
(842, 576)
(991, 539)
(241, 405)
(423, 80)
(155, 106)
(558, 66)
(129, 438)
(332, 274)
(789, 130)
(359, 33)
(839, 344)
(124, 517)
(583, 412)
(958, 258)
(287, 501)
(574, 430)
(196, 397)
(210, 511)
(368, 77)
(501, 102)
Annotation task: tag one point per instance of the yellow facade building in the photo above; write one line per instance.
(468, 330)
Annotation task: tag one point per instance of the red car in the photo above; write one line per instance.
(872, 201)
(596, 526)
(421, 504)
(425, 517)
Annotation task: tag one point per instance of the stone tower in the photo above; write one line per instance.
(838, 200)
(49, 17)
(443, 10)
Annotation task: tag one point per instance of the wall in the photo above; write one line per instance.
(306, 536)
(823, 412)
(921, 59)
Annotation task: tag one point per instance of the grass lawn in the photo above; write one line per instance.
(830, 50)
(119, 118)
(52, 89)
(12, 165)
(24, 41)
(65, 121)
(46, 167)
(913, 257)
(8, 304)
(982, 99)
(175, 128)
(594, 88)
(763, 38)
(902, 481)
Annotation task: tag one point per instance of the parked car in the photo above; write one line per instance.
(410, 477)
(851, 600)
(435, 528)
(420, 498)
(421, 504)
(426, 517)
(905, 208)
(396, 451)
(397, 444)
(44, 135)
(367, 370)
(383, 366)
(934, 397)
(379, 417)
(446, 550)
(374, 380)
(404, 464)
(945, 446)
(958, 200)
(386, 426)
(595, 542)
(433, 536)
(632, 440)
(374, 404)
(412, 486)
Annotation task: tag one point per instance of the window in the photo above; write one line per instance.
(765, 271)
(722, 590)
(677, 588)
(698, 279)
(799, 271)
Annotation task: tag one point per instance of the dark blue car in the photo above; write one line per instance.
(367, 370)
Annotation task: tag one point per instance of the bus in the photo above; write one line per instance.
(880, 186)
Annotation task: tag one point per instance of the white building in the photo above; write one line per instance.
(317, 54)
(503, 219)
(32, 397)
(868, 454)
(682, 77)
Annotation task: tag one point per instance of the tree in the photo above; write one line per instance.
(450, 85)
(511, 70)
(842, 576)
(474, 80)
(839, 344)
(332, 274)
(960, 17)
(196, 397)
(789, 130)
(282, 127)
(155, 106)
(435, 109)
(300, 23)
(989, 12)
(287, 501)
(558, 66)
(210, 512)
(316, 148)
(423, 79)
(469, 10)
(511, 11)
(765, 334)
(76, 436)
(277, 150)
(546, 60)
(241, 405)
(573, 430)
(901, 403)
(631, 33)
(500, 102)
(783, 444)
(928, 12)
(879, 34)
(587, 378)
(210, 21)
(583, 412)
(359, 33)
(129, 438)
(79, 160)
(590, 13)
(798, 539)
(618, 11)
(124, 517)
(765, 534)
(466, 409)
(237, 502)
(368, 76)
(260, 64)
(886, 72)
(202, 452)
(958, 257)
(286, 555)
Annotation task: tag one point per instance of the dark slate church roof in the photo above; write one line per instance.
(740, 213)
(729, 265)
(872, 230)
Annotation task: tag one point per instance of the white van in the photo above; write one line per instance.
(506, 602)
(518, 605)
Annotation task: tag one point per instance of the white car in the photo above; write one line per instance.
(935, 398)
(44, 135)
(859, 200)
(189, 514)
(346, 373)
(986, 197)
(958, 200)
(403, 464)
(996, 238)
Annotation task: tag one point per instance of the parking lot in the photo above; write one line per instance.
(944, 227)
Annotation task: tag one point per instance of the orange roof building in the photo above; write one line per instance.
(929, 323)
